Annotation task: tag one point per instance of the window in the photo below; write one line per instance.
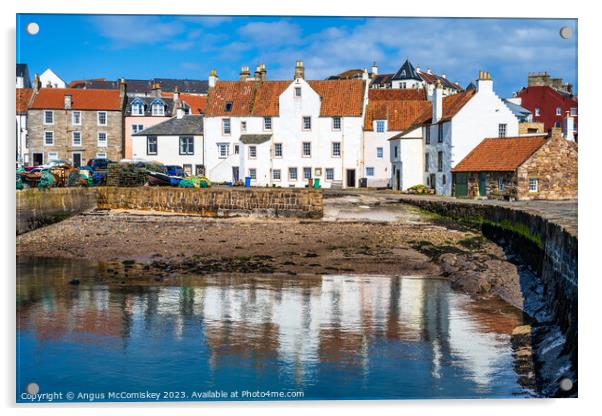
(76, 138)
(136, 128)
(151, 145)
(444, 179)
(253, 174)
(336, 123)
(187, 168)
(236, 149)
(138, 109)
(426, 162)
(379, 152)
(276, 174)
(427, 134)
(267, 123)
(226, 130)
(101, 118)
(558, 111)
(158, 109)
(252, 152)
(336, 149)
(101, 139)
(329, 174)
(76, 118)
(440, 133)
(439, 161)
(292, 174)
(297, 91)
(278, 150)
(500, 184)
(306, 123)
(187, 146)
(52, 156)
(369, 171)
(48, 138)
(537, 112)
(395, 151)
(243, 126)
(306, 173)
(48, 117)
(557, 124)
(223, 150)
(532, 184)
(306, 149)
(502, 130)
(380, 126)
(573, 111)
(101, 155)
(228, 107)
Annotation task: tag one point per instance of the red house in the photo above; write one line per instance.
(549, 106)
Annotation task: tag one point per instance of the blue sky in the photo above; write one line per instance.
(131, 46)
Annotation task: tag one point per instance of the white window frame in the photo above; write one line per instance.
(139, 109)
(276, 147)
(101, 155)
(558, 111)
(380, 151)
(298, 92)
(73, 143)
(44, 117)
(190, 141)
(332, 148)
(267, 124)
(533, 185)
(73, 118)
(48, 158)
(378, 123)
(307, 169)
(253, 174)
(148, 152)
(229, 122)
(303, 150)
(98, 113)
(340, 121)
(369, 169)
(290, 177)
(158, 110)
(279, 178)
(243, 126)
(326, 171)
(137, 128)
(303, 120)
(44, 138)
(220, 154)
(106, 141)
(502, 130)
(252, 152)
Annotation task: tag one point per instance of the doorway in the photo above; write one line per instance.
(397, 180)
(235, 174)
(77, 159)
(38, 159)
(482, 184)
(351, 178)
(461, 185)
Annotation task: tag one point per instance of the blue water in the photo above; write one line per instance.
(323, 337)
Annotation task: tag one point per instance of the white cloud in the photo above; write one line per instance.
(275, 33)
(124, 31)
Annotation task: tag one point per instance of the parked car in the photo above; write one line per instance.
(99, 164)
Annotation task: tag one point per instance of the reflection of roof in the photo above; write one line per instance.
(500, 154)
(54, 98)
(187, 125)
(261, 98)
(23, 98)
(254, 138)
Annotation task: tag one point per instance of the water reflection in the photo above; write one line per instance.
(330, 336)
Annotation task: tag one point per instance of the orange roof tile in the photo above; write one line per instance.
(261, 98)
(398, 94)
(82, 99)
(23, 98)
(400, 115)
(197, 103)
(500, 154)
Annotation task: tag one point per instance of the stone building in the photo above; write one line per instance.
(75, 125)
(519, 168)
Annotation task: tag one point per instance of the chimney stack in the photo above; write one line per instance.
(244, 73)
(484, 83)
(212, 78)
(299, 70)
(428, 71)
(437, 103)
(263, 72)
(365, 74)
(122, 87)
(68, 101)
(374, 69)
(36, 82)
(570, 131)
(156, 89)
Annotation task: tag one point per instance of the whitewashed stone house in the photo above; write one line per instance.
(49, 79)
(283, 133)
(454, 125)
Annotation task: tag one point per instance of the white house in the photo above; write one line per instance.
(23, 99)
(177, 141)
(389, 112)
(455, 125)
(283, 133)
(49, 79)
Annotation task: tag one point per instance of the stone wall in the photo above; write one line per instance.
(558, 251)
(216, 202)
(37, 208)
(530, 127)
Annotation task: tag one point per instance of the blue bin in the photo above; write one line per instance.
(247, 181)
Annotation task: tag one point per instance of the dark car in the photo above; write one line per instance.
(99, 164)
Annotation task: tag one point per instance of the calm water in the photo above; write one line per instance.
(329, 337)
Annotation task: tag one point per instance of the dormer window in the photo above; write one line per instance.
(228, 106)
(138, 109)
(158, 109)
(380, 126)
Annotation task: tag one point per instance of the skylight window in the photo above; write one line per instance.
(228, 106)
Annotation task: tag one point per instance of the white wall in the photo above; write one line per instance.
(49, 76)
(382, 166)
(168, 151)
(22, 151)
(409, 160)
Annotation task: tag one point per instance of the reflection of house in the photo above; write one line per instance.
(533, 167)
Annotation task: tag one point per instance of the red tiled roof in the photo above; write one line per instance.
(81, 99)
(23, 98)
(500, 154)
(400, 115)
(197, 103)
(398, 94)
(452, 104)
(251, 98)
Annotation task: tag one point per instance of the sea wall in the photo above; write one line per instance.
(216, 202)
(549, 247)
(37, 208)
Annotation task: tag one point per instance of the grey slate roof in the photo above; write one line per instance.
(407, 71)
(168, 102)
(254, 138)
(191, 125)
(519, 111)
(23, 71)
(144, 86)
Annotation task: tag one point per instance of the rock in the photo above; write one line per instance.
(74, 282)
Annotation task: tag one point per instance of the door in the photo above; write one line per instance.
(482, 184)
(461, 185)
(38, 159)
(199, 170)
(433, 181)
(351, 178)
(235, 174)
(77, 159)
(397, 180)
